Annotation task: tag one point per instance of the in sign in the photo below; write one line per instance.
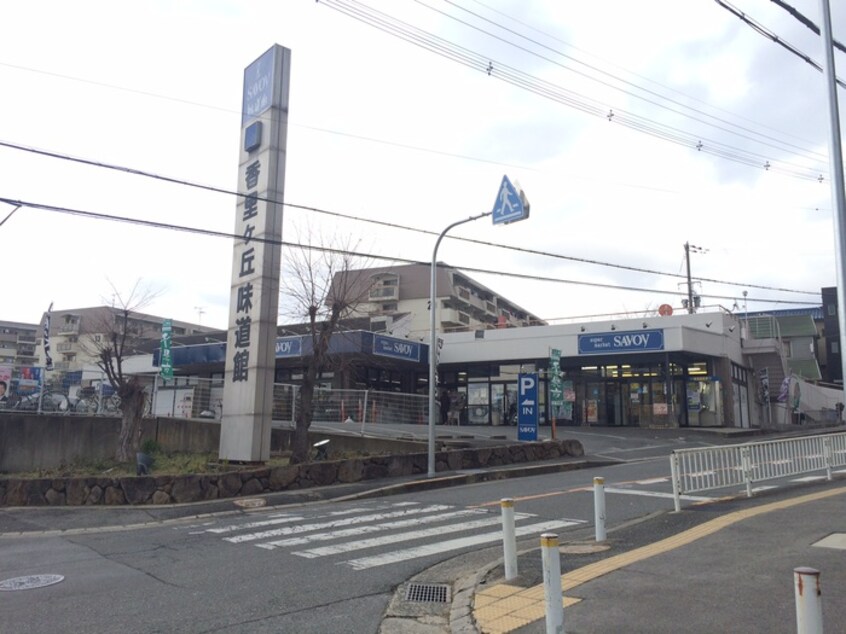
(527, 406)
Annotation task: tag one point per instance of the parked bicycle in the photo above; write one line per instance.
(89, 402)
(50, 402)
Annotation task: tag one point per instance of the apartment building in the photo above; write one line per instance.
(18, 343)
(75, 334)
(396, 299)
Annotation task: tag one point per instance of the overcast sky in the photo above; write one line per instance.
(596, 108)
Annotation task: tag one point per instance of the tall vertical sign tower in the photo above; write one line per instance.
(254, 298)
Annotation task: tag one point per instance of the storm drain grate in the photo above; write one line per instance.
(427, 592)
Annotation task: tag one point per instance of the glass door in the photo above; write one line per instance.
(477, 404)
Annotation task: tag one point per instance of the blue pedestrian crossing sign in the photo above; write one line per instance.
(511, 204)
(527, 406)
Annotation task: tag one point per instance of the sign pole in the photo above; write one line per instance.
(511, 205)
(433, 341)
(556, 387)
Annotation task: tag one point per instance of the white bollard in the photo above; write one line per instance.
(599, 508)
(552, 584)
(806, 586)
(509, 538)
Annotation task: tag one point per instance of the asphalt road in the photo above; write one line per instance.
(304, 567)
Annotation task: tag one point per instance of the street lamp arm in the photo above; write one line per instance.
(433, 343)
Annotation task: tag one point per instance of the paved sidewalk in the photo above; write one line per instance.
(714, 568)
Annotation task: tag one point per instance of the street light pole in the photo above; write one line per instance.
(433, 342)
(838, 188)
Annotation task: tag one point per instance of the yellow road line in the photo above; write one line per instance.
(503, 607)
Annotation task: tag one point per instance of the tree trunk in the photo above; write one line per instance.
(132, 401)
(299, 445)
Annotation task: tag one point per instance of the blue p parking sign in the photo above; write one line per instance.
(527, 406)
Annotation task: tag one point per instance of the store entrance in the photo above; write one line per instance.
(614, 412)
(634, 402)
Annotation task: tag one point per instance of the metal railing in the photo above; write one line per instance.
(696, 470)
(203, 398)
(89, 393)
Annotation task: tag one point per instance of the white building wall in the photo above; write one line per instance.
(706, 334)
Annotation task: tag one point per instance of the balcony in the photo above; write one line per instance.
(451, 318)
(379, 293)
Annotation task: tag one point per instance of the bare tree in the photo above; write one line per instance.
(323, 289)
(120, 333)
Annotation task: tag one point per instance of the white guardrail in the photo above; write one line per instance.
(695, 470)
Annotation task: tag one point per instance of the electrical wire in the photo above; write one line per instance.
(476, 61)
(634, 74)
(761, 29)
(786, 146)
(807, 22)
(391, 225)
(273, 242)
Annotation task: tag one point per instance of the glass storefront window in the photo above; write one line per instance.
(477, 404)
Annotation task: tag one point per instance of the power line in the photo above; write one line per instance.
(476, 61)
(806, 152)
(709, 146)
(391, 225)
(761, 29)
(630, 72)
(807, 22)
(221, 234)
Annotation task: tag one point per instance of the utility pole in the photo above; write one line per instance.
(838, 189)
(689, 281)
(691, 305)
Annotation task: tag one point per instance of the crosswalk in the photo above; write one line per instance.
(378, 534)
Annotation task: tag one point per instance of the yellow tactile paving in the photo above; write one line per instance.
(531, 612)
(481, 600)
(491, 613)
(500, 590)
(505, 607)
(506, 624)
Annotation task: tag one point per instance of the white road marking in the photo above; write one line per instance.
(360, 519)
(652, 481)
(765, 487)
(395, 538)
(285, 518)
(372, 528)
(453, 544)
(656, 494)
(703, 474)
(809, 479)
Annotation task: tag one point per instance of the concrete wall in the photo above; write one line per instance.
(29, 441)
(166, 489)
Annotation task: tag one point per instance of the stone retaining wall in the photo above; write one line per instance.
(165, 489)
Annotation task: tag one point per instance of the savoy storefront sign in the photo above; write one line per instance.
(630, 341)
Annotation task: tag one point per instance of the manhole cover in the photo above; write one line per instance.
(250, 503)
(583, 549)
(29, 582)
(427, 592)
